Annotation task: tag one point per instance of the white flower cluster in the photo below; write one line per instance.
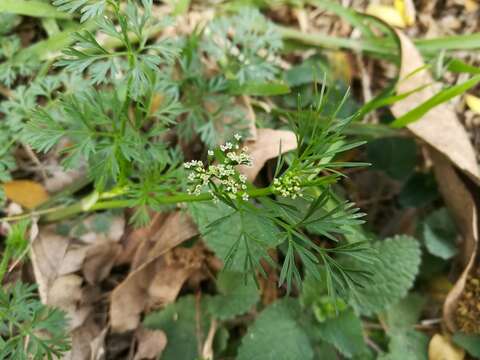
(224, 176)
(288, 185)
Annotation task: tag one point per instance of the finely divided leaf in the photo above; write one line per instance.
(239, 238)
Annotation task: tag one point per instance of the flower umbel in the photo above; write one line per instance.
(288, 185)
(223, 177)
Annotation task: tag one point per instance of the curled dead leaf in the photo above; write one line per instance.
(450, 149)
(268, 145)
(440, 127)
(150, 343)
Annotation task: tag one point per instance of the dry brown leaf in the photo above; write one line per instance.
(129, 298)
(462, 205)
(97, 346)
(267, 146)
(86, 340)
(66, 293)
(91, 236)
(440, 127)
(99, 260)
(175, 268)
(27, 193)
(57, 261)
(151, 343)
(440, 348)
(146, 239)
(61, 178)
(47, 254)
(451, 148)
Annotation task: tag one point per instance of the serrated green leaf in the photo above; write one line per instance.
(183, 326)
(237, 295)
(178, 321)
(276, 335)
(344, 332)
(439, 234)
(405, 313)
(393, 275)
(411, 345)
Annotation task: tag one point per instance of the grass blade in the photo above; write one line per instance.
(443, 96)
(32, 8)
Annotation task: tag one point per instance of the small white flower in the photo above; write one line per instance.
(210, 152)
(237, 137)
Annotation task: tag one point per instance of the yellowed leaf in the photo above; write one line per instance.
(27, 193)
(471, 5)
(387, 13)
(341, 67)
(407, 9)
(473, 102)
(440, 348)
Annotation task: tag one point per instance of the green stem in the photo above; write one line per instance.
(59, 213)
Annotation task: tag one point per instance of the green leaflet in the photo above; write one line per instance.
(409, 344)
(344, 332)
(237, 235)
(238, 294)
(276, 335)
(22, 317)
(404, 314)
(32, 8)
(396, 156)
(470, 342)
(393, 275)
(178, 322)
(439, 233)
(400, 319)
(333, 322)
